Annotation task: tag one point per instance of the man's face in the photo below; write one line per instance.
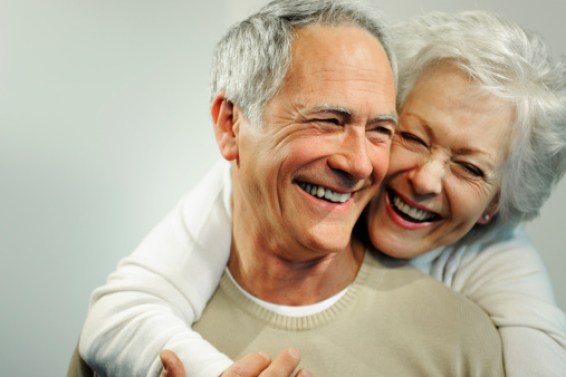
(303, 178)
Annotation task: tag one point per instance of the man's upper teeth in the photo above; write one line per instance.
(325, 193)
(415, 213)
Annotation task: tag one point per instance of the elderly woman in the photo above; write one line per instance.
(481, 142)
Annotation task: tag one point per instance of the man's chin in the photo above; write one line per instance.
(329, 243)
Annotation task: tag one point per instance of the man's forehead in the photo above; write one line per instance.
(343, 69)
(327, 33)
(337, 52)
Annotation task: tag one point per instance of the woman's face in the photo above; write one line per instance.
(446, 163)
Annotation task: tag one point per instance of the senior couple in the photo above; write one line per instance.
(350, 233)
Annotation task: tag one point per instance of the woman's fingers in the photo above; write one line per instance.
(259, 364)
(284, 364)
(251, 365)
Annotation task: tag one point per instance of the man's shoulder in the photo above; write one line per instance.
(430, 313)
(400, 283)
(396, 313)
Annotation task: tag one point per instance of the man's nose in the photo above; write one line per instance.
(427, 177)
(353, 155)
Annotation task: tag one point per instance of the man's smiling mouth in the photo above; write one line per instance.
(324, 193)
(408, 212)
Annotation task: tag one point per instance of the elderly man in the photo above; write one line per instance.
(304, 108)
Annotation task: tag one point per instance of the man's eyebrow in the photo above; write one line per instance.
(387, 118)
(345, 112)
(333, 109)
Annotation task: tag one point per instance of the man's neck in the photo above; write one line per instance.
(270, 277)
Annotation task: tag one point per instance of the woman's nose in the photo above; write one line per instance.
(427, 177)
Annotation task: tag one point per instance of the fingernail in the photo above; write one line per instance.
(294, 353)
(306, 373)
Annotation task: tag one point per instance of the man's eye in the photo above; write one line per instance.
(333, 121)
(383, 130)
(380, 133)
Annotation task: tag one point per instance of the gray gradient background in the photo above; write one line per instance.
(104, 124)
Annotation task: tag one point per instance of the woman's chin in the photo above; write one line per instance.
(399, 254)
(398, 249)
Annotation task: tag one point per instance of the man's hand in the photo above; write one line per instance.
(256, 364)
(259, 364)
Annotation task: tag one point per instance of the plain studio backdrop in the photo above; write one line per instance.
(104, 124)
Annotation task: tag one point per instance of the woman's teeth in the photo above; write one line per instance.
(410, 213)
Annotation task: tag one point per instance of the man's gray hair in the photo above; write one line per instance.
(250, 62)
(514, 65)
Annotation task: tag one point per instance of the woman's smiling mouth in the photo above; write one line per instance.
(408, 212)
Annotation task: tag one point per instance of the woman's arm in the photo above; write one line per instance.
(506, 277)
(150, 301)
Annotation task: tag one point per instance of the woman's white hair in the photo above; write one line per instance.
(512, 64)
(250, 62)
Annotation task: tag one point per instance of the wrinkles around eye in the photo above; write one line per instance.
(412, 138)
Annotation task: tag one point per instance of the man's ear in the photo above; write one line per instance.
(226, 126)
(490, 211)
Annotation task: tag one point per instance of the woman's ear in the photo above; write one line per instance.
(490, 211)
(226, 126)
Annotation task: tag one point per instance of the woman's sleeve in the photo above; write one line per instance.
(149, 303)
(508, 280)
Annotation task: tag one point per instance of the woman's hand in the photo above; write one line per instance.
(255, 364)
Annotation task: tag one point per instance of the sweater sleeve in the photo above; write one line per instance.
(149, 303)
(508, 280)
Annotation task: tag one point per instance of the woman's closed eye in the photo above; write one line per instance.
(412, 138)
(471, 169)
